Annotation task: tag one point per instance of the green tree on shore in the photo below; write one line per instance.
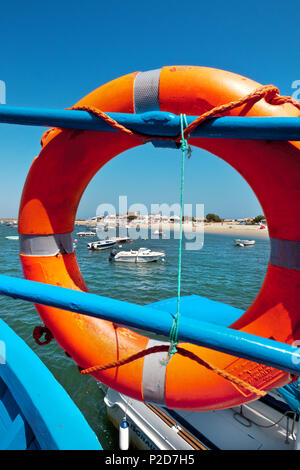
(131, 217)
(258, 219)
(213, 218)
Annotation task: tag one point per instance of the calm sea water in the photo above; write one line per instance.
(219, 271)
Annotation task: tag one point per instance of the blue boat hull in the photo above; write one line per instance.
(35, 411)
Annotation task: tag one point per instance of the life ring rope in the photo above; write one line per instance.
(182, 352)
(269, 92)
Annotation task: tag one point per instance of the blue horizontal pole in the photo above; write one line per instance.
(220, 338)
(158, 123)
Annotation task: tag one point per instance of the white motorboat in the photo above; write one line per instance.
(159, 232)
(143, 255)
(86, 234)
(101, 245)
(264, 424)
(120, 239)
(243, 243)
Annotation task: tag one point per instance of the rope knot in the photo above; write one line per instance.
(184, 145)
(271, 94)
(38, 332)
(273, 97)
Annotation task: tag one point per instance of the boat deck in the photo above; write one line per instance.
(155, 427)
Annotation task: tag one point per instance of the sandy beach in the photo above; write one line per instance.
(236, 229)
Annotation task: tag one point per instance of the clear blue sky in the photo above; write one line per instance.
(53, 53)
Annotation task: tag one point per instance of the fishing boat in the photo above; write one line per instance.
(243, 243)
(36, 413)
(86, 234)
(101, 245)
(142, 255)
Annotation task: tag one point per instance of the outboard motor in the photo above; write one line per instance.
(112, 254)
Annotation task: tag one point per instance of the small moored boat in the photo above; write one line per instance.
(243, 243)
(101, 245)
(160, 233)
(86, 234)
(120, 239)
(143, 255)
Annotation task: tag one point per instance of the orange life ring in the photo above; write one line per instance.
(54, 186)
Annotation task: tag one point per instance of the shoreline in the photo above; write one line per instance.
(216, 228)
(224, 228)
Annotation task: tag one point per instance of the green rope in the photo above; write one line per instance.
(185, 149)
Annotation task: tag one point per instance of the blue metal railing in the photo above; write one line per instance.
(255, 348)
(220, 338)
(158, 123)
